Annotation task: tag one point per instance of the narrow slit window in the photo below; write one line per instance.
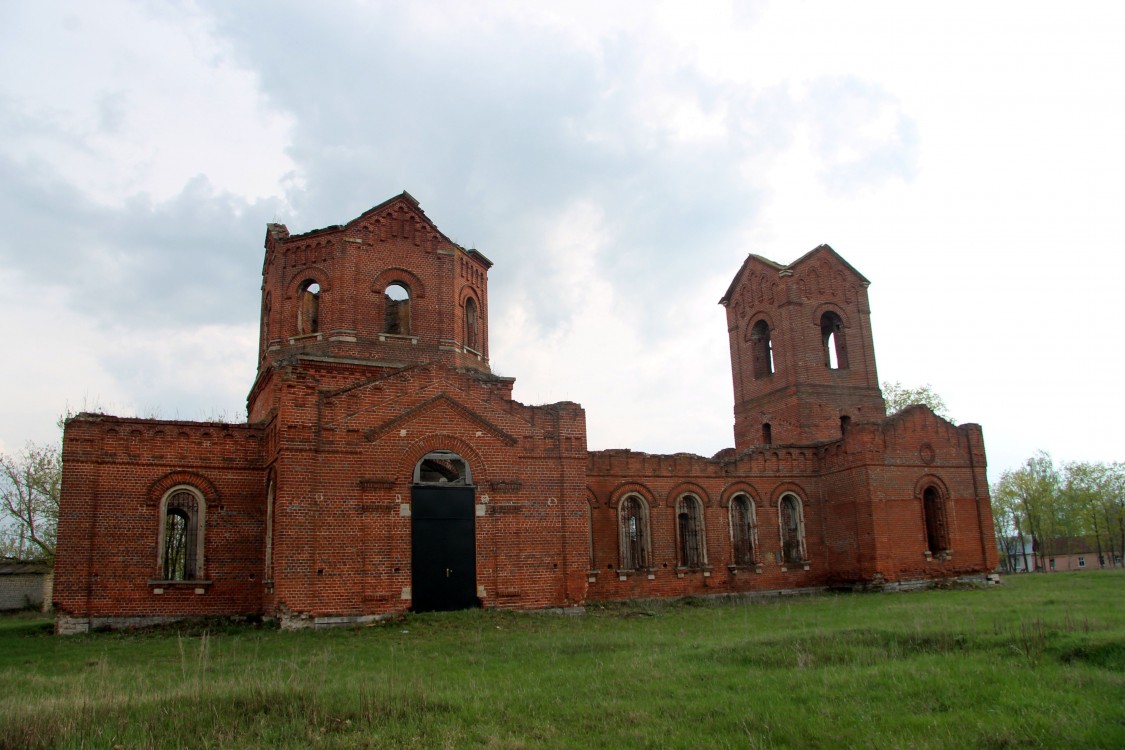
(590, 532)
(267, 303)
(269, 532)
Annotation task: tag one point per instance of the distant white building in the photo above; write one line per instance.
(25, 585)
(1017, 554)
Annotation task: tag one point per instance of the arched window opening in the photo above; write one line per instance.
(397, 309)
(743, 530)
(471, 324)
(761, 349)
(792, 523)
(269, 533)
(175, 545)
(932, 507)
(308, 308)
(633, 518)
(845, 423)
(181, 538)
(442, 467)
(767, 433)
(689, 532)
(833, 341)
(590, 532)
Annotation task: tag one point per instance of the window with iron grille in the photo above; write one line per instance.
(633, 515)
(442, 467)
(689, 532)
(743, 530)
(181, 537)
(792, 523)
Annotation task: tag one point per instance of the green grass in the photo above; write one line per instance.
(1036, 662)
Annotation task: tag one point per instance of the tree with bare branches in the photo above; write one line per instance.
(29, 502)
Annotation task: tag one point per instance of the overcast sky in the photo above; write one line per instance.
(616, 160)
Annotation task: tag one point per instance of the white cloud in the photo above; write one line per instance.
(631, 385)
(120, 98)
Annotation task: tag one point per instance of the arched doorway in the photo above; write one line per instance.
(443, 534)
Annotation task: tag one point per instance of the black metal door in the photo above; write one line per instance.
(443, 549)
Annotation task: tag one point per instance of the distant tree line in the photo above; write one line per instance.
(1039, 506)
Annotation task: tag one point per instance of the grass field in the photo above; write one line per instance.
(1036, 662)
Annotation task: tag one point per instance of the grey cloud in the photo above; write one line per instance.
(497, 130)
(193, 260)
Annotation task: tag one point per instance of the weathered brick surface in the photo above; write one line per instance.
(802, 400)
(115, 472)
(341, 413)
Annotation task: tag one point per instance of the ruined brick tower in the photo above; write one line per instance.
(802, 356)
(386, 288)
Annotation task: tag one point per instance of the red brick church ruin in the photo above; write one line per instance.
(384, 468)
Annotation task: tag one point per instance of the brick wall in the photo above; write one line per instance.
(115, 472)
(353, 264)
(862, 502)
(803, 399)
(344, 472)
(309, 505)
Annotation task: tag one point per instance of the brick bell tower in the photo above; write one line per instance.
(387, 288)
(802, 356)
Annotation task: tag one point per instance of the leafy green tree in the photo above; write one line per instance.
(1094, 498)
(1006, 522)
(1077, 499)
(29, 501)
(1032, 491)
(898, 397)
